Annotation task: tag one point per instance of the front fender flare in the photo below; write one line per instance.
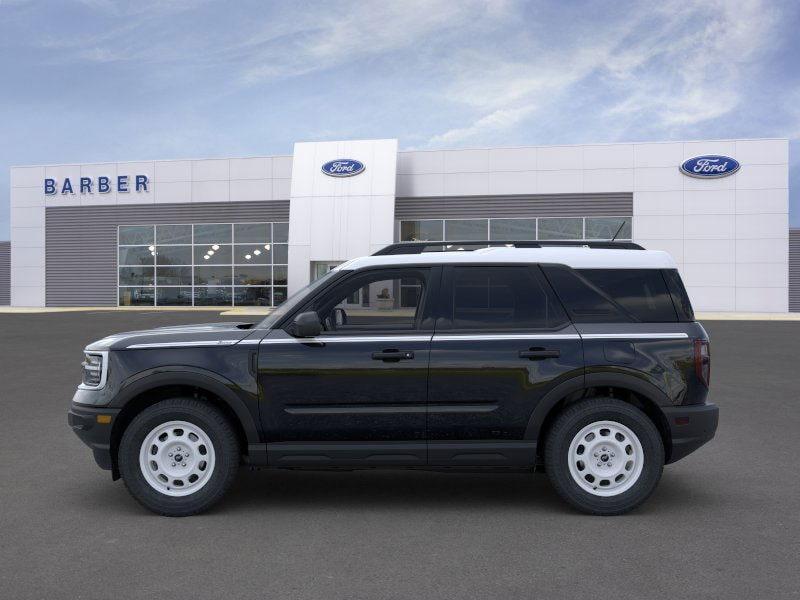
(194, 377)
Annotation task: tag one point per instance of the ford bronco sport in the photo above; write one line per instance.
(584, 361)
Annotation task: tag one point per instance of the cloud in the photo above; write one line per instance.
(497, 120)
(306, 43)
(672, 66)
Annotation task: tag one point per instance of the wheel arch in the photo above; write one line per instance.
(150, 388)
(637, 392)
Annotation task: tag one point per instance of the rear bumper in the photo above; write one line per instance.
(690, 427)
(83, 421)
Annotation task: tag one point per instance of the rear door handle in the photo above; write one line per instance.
(539, 353)
(393, 355)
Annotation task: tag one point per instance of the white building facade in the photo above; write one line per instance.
(249, 231)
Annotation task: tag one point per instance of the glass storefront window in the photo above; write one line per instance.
(173, 234)
(541, 228)
(280, 254)
(136, 235)
(257, 254)
(466, 229)
(252, 275)
(251, 296)
(174, 255)
(136, 296)
(174, 296)
(174, 276)
(512, 229)
(136, 255)
(422, 231)
(185, 264)
(280, 233)
(604, 228)
(212, 234)
(212, 296)
(136, 276)
(251, 233)
(561, 228)
(212, 255)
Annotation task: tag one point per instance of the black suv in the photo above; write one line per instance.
(585, 362)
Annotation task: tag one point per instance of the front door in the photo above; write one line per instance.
(502, 342)
(357, 393)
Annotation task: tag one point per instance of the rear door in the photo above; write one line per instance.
(502, 342)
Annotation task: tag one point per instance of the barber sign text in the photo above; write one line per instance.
(343, 167)
(99, 185)
(710, 166)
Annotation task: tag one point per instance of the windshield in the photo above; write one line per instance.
(296, 299)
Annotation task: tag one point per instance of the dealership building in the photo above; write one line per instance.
(249, 231)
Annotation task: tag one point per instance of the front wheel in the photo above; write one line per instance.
(178, 457)
(604, 456)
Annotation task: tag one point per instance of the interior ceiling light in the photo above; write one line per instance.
(215, 247)
(247, 256)
(256, 252)
(266, 246)
(206, 257)
(153, 253)
(211, 253)
(151, 248)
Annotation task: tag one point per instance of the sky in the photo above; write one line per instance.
(96, 80)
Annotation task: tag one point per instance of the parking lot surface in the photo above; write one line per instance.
(724, 522)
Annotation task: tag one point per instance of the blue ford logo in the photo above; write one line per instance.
(710, 166)
(343, 167)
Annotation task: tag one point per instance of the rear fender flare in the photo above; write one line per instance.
(576, 384)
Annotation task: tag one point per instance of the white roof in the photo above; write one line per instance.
(573, 256)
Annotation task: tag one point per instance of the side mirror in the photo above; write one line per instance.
(306, 325)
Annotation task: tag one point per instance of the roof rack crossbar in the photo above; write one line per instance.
(457, 245)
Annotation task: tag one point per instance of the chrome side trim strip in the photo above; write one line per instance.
(182, 344)
(506, 336)
(635, 336)
(473, 338)
(349, 339)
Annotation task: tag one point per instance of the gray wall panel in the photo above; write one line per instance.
(546, 205)
(794, 270)
(81, 241)
(5, 273)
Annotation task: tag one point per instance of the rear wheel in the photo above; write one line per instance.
(604, 456)
(178, 457)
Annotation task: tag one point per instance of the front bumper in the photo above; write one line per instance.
(97, 435)
(690, 427)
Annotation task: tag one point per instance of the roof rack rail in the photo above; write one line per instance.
(467, 245)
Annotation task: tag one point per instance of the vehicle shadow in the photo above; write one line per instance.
(389, 489)
(356, 491)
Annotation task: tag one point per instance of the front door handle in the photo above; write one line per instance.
(393, 355)
(539, 353)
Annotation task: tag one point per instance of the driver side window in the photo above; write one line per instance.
(380, 301)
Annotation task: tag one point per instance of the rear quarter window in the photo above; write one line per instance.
(642, 292)
(680, 298)
(613, 295)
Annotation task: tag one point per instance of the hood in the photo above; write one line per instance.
(204, 334)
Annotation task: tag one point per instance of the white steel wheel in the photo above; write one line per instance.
(177, 458)
(605, 458)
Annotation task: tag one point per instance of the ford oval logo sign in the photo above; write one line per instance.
(343, 167)
(710, 166)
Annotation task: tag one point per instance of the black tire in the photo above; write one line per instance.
(569, 422)
(226, 451)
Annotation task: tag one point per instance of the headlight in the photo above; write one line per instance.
(95, 367)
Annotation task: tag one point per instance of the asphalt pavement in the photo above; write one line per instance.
(724, 522)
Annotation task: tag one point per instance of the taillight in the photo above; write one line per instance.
(702, 361)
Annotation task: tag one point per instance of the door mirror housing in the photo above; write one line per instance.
(306, 325)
